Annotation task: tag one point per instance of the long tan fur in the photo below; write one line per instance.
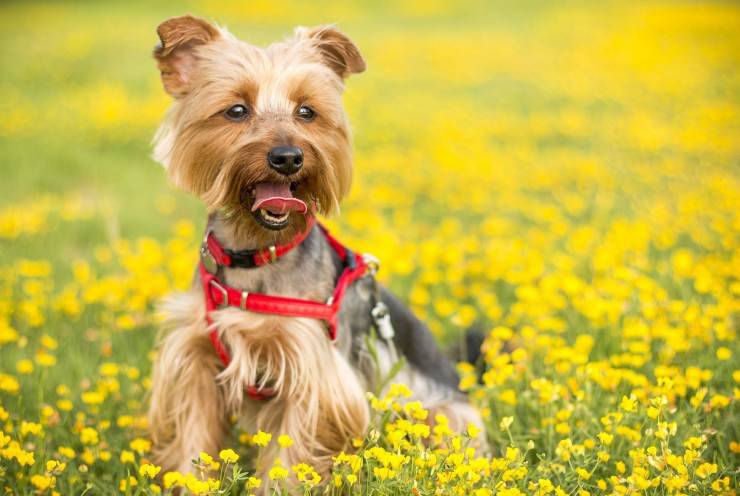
(320, 403)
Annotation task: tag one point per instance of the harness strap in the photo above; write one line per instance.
(219, 295)
(248, 259)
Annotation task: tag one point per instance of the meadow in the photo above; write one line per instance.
(563, 175)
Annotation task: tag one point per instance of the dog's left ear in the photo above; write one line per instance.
(175, 53)
(337, 51)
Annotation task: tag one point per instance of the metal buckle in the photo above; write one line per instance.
(382, 319)
(206, 257)
(273, 253)
(224, 294)
(372, 262)
(243, 300)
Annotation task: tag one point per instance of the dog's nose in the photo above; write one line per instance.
(286, 160)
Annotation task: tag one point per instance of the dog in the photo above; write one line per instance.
(275, 329)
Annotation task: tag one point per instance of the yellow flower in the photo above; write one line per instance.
(277, 472)
(55, 466)
(706, 469)
(125, 484)
(723, 353)
(383, 473)
(9, 384)
(505, 423)
(398, 390)
(562, 428)
(208, 460)
(24, 366)
(109, 369)
(415, 410)
(171, 479)
(261, 439)
(89, 436)
(473, 430)
(228, 456)
(49, 342)
(583, 473)
(140, 445)
(205, 458)
(30, 428)
(718, 401)
(285, 441)
(508, 396)
(692, 443)
(306, 474)
(628, 404)
(124, 421)
(148, 470)
(67, 452)
(87, 456)
(42, 482)
(92, 397)
(194, 485)
(45, 359)
(721, 485)
(253, 483)
(467, 382)
(420, 430)
(353, 461)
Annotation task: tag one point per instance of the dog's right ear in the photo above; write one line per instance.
(175, 53)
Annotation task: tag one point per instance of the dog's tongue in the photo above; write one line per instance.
(277, 198)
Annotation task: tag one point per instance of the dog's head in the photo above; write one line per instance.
(259, 132)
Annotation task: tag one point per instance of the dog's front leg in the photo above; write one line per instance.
(187, 413)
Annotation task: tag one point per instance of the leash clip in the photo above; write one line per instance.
(382, 318)
(206, 257)
(372, 262)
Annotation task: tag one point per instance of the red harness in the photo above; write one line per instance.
(219, 295)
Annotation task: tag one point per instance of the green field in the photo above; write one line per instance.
(563, 174)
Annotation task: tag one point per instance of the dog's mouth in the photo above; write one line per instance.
(273, 202)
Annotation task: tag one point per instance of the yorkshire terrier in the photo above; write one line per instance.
(275, 330)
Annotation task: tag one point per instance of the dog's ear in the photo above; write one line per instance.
(337, 51)
(175, 53)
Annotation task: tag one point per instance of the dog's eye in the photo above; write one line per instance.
(306, 113)
(237, 113)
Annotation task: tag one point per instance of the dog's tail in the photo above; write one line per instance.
(468, 347)
(473, 341)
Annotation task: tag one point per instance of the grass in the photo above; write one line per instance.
(564, 174)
